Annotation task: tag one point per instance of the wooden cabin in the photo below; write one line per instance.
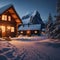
(9, 21)
(32, 24)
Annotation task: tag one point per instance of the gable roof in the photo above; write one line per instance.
(10, 8)
(30, 27)
(4, 8)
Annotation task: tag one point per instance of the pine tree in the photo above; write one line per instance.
(56, 27)
(49, 26)
(56, 31)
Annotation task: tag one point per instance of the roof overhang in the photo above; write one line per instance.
(13, 13)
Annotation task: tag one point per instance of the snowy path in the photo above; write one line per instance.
(36, 50)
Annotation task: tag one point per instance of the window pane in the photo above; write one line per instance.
(8, 27)
(12, 29)
(9, 18)
(3, 28)
(28, 32)
(21, 32)
(36, 32)
(4, 17)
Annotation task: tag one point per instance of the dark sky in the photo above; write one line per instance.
(25, 6)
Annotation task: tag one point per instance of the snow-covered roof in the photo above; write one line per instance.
(26, 21)
(4, 8)
(30, 27)
(15, 16)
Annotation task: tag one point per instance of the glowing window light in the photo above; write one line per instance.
(35, 31)
(12, 29)
(4, 17)
(28, 32)
(9, 18)
(3, 28)
(8, 27)
(21, 31)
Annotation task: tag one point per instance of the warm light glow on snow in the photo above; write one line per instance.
(43, 32)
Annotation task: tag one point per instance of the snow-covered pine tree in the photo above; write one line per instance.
(49, 25)
(56, 30)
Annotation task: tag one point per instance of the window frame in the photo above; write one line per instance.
(4, 17)
(9, 18)
(12, 29)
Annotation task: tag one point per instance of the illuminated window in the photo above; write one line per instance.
(28, 32)
(21, 31)
(4, 17)
(12, 29)
(8, 27)
(9, 18)
(3, 28)
(35, 31)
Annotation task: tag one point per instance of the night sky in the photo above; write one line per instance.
(25, 6)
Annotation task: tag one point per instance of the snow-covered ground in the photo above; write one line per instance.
(29, 38)
(30, 48)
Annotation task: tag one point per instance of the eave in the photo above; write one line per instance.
(13, 13)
